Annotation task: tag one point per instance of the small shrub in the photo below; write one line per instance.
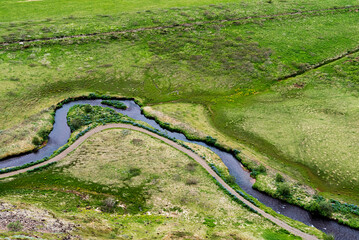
(87, 108)
(175, 208)
(211, 140)
(283, 190)
(177, 177)
(279, 178)
(328, 237)
(43, 133)
(261, 169)
(15, 226)
(133, 172)
(321, 207)
(257, 170)
(191, 167)
(230, 179)
(36, 141)
(125, 132)
(191, 181)
(209, 222)
(109, 205)
(254, 173)
(236, 151)
(76, 123)
(113, 235)
(137, 141)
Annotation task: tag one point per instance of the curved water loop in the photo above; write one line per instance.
(61, 133)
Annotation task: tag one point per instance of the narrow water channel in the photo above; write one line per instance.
(61, 133)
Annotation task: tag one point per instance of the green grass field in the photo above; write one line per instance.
(13, 10)
(41, 19)
(159, 193)
(304, 126)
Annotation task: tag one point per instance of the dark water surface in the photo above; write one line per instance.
(61, 133)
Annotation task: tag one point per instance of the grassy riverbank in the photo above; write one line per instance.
(19, 139)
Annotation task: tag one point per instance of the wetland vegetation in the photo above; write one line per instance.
(208, 68)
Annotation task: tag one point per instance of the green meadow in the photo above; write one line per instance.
(203, 54)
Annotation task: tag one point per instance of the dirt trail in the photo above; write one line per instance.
(180, 148)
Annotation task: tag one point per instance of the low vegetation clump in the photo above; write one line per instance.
(41, 137)
(191, 181)
(15, 226)
(283, 190)
(115, 103)
(36, 141)
(279, 178)
(261, 169)
(191, 167)
(329, 237)
(108, 205)
(84, 115)
(209, 222)
(321, 207)
(137, 141)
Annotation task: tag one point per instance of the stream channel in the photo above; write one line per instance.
(61, 133)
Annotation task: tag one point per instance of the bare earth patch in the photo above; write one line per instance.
(32, 219)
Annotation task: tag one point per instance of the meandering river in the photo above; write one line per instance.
(61, 133)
